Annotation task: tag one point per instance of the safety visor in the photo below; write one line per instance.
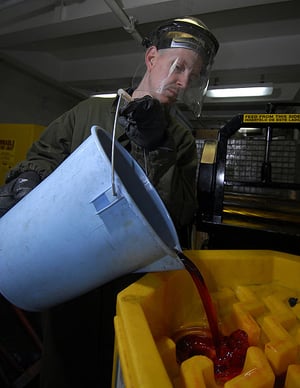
(185, 80)
(192, 34)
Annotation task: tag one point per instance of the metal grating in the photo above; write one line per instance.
(244, 161)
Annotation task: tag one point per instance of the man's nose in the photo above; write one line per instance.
(183, 80)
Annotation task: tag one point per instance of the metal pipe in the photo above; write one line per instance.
(266, 169)
(128, 22)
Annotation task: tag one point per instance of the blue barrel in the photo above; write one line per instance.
(84, 226)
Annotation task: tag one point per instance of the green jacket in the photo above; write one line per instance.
(172, 170)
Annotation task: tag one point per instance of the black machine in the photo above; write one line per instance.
(245, 213)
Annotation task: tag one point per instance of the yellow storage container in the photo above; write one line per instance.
(15, 140)
(251, 290)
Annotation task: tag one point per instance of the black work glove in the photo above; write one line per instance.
(144, 122)
(16, 189)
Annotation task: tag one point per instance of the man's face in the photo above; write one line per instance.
(173, 71)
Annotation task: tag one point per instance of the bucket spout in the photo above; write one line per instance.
(56, 245)
(165, 264)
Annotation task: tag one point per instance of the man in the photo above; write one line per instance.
(78, 335)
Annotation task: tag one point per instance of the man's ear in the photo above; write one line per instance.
(150, 57)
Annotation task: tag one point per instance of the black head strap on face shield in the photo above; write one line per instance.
(189, 32)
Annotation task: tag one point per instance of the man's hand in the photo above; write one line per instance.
(144, 122)
(16, 189)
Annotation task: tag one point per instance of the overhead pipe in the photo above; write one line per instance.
(128, 22)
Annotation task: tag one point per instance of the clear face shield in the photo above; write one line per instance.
(194, 95)
(187, 53)
(181, 77)
(186, 78)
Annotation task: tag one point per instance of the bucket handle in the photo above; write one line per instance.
(125, 98)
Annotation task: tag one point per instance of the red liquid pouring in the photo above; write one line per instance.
(228, 353)
(209, 308)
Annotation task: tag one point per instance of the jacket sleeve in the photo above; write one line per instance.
(50, 150)
(63, 136)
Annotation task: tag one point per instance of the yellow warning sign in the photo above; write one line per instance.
(15, 140)
(7, 157)
(7, 144)
(7, 152)
(271, 118)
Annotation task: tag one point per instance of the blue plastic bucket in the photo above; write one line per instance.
(77, 230)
